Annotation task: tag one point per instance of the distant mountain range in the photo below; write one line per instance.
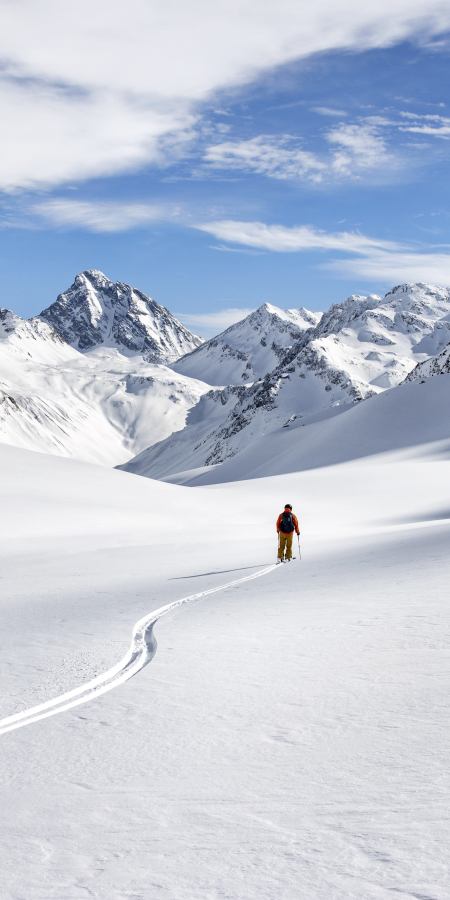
(105, 374)
(357, 349)
(249, 349)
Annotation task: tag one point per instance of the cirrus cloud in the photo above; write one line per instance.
(98, 216)
(366, 257)
(282, 239)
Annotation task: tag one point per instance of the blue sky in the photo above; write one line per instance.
(268, 174)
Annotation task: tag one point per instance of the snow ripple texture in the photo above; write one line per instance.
(141, 652)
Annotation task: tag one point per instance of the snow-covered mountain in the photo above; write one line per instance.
(359, 348)
(32, 339)
(113, 402)
(437, 365)
(250, 348)
(99, 406)
(411, 417)
(378, 341)
(95, 312)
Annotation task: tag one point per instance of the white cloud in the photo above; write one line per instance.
(54, 135)
(397, 267)
(326, 111)
(362, 147)
(437, 126)
(210, 324)
(266, 155)
(371, 258)
(280, 239)
(101, 216)
(90, 86)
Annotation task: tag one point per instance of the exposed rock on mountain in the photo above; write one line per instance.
(250, 348)
(408, 416)
(377, 341)
(32, 339)
(108, 403)
(359, 348)
(96, 312)
(99, 407)
(437, 365)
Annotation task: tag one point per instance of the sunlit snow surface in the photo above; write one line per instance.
(359, 348)
(290, 737)
(100, 406)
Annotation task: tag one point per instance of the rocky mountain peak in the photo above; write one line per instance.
(250, 348)
(96, 312)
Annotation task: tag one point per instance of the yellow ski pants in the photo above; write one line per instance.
(285, 543)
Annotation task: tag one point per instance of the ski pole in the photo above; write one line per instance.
(299, 551)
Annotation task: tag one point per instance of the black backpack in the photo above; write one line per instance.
(287, 523)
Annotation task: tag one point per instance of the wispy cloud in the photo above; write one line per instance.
(366, 257)
(101, 216)
(434, 125)
(361, 147)
(92, 89)
(223, 249)
(210, 324)
(281, 239)
(395, 267)
(326, 111)
(266, 155)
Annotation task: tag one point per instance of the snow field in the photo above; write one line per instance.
(101, 407)
(289, 738)
(403, 418)
(141, 652)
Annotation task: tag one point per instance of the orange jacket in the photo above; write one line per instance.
(294, 519)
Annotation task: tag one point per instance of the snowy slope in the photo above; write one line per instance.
(289, 738)
(437, 365)
(33, 339)
(411, 418)
(96, 312)
(100, 406)
(408, 416)
(359, 348)
(250, 348)
(377, 341)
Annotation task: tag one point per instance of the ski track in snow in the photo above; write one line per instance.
(141, 652)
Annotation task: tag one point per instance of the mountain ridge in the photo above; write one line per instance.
(110, 402)
(359, 348)
(250, 348)
(96, 312)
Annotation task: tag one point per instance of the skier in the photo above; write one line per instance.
(286, 525)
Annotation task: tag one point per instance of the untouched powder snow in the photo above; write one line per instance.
(289, 737)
